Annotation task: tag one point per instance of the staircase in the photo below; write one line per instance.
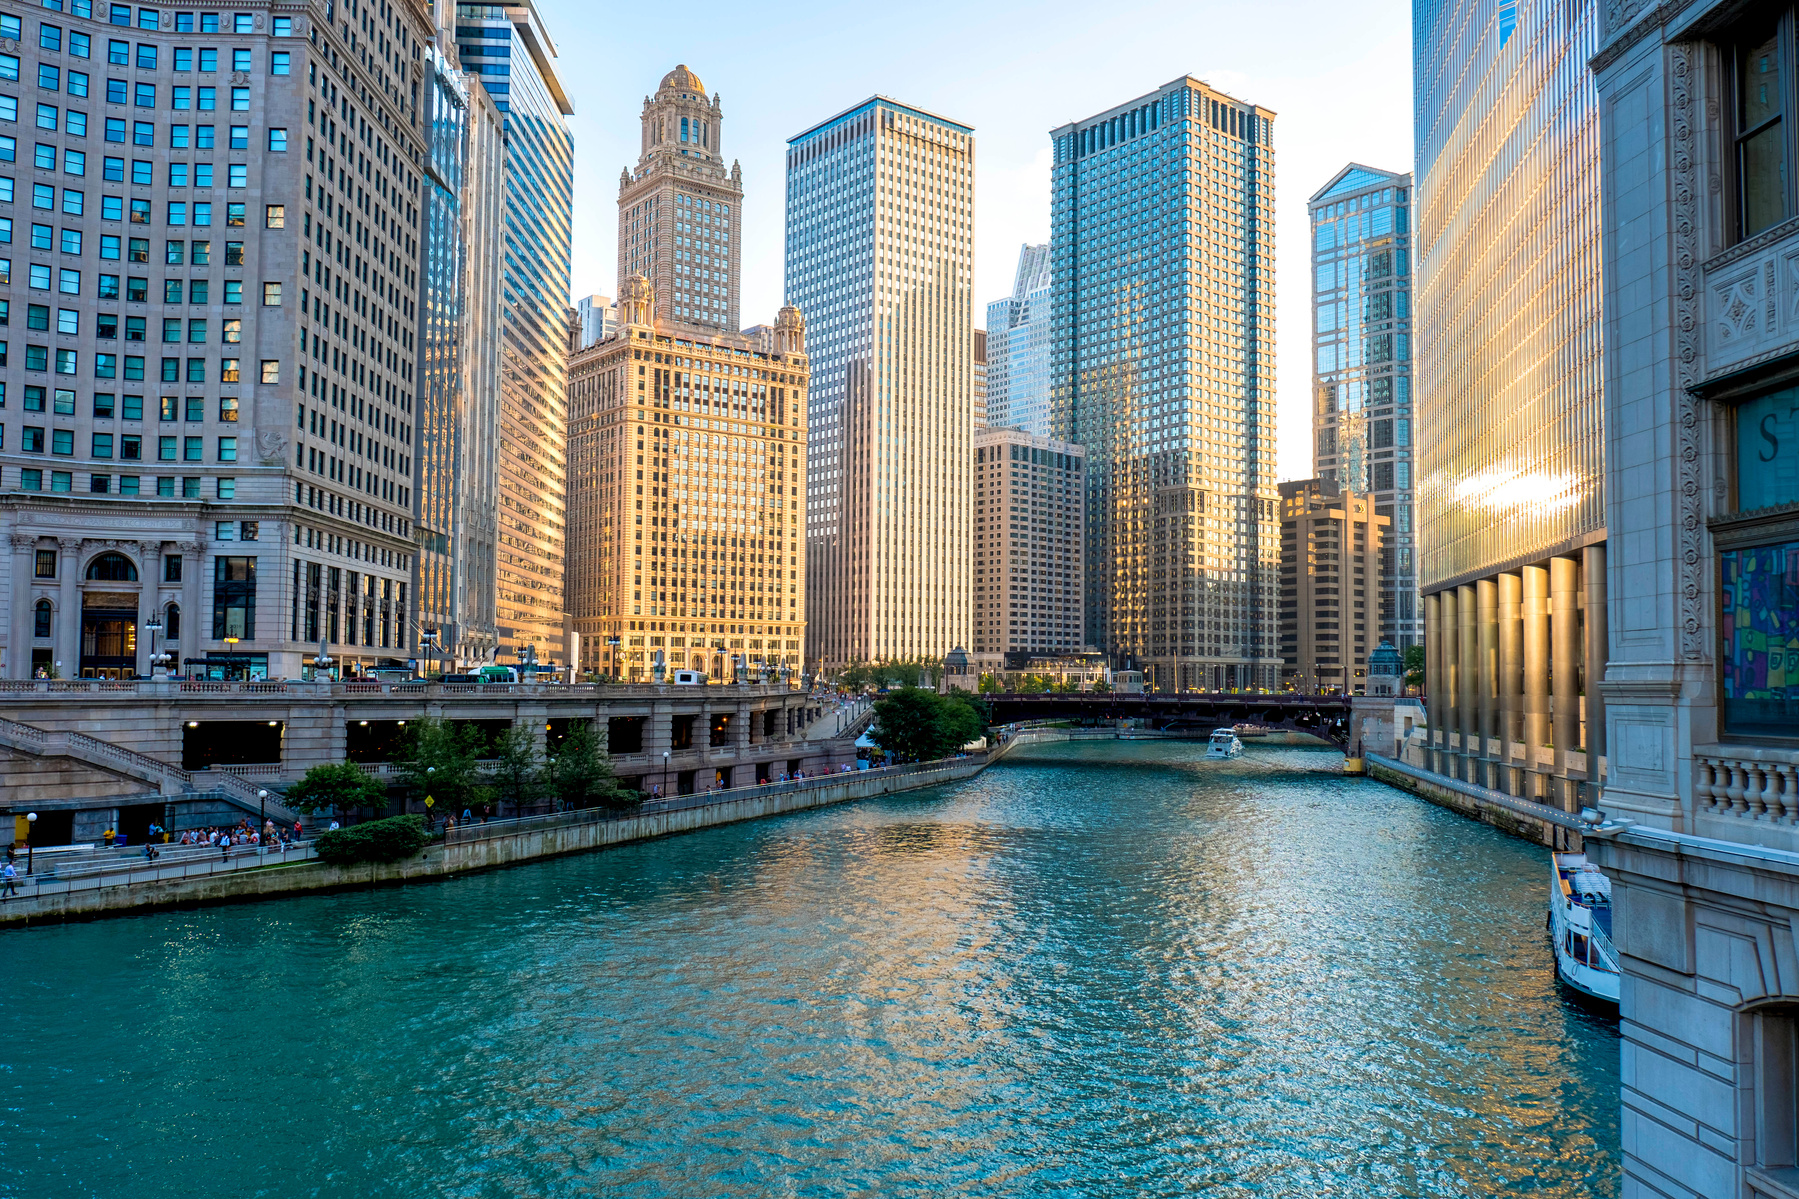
(168, 780)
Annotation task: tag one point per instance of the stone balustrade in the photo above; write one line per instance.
(1758, 785)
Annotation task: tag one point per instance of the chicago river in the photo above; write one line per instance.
(1099, 969)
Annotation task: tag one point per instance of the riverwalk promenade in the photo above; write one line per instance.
(118, 885)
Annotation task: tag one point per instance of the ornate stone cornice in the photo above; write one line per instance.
(1627, 26)
(1688, 300)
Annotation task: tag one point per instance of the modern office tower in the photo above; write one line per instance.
(1511, 429)
(508, 48)
(1701, 682)
(980, 378)
(596, 319)
(1162, 366)
(1331, 542)
(1018, 366)
(880, 209)
(1029, 512)
(687, 450)
(678, 211)
(455, 578)
(207, 444)
(1362, 359)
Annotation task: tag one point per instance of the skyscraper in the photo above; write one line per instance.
(1018, 328)
(1162, 366)
(1362, 417)
(687, 441)
(458, 432)
(1510, 397)
(880, 208)
(252, 492)
(678, 221)
(596, 319)
(980, 378)
(508, 47)
(1330, 585)
(1029, 514)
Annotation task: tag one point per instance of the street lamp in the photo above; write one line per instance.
(30, 820)
(322, 661)
(153, 626)
(262, 800)
(665, 772)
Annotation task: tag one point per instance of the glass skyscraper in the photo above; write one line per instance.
(1511, 433)
(880, 210)
(458, 353)
(507, 46)
(1018, 331)
(1162, 366)
(1362, 420)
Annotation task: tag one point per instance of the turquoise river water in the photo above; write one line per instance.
(1101, 969)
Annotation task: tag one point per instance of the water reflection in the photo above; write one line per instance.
(1104, 970)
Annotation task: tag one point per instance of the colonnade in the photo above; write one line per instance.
(65, 585)
(1512, 665)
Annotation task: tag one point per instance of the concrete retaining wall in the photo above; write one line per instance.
(516, 844)
(1499, 811)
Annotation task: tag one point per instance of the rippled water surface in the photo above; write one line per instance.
(1108, 969)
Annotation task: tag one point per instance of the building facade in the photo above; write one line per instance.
(980, 379)
(596, 319)
(1029, 519)
(880, 208)
(246, 187)
(1162, 367)
(1362, 362)
(455, 579)
(1331, 593)
(1019, 325)
(507, 47)
(1511, 432)
(688, 453)
(678, 209)
(1701, 687)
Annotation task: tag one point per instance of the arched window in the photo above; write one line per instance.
(171, 624)
(114, 568)
(40, 619)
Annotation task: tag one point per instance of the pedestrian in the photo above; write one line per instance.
(9, 880)
(296, 828)
(150, 854)
(109, 835)
(224, 849)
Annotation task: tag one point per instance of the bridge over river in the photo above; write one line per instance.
(1330, 718)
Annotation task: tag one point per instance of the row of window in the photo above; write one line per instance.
(142, 133)
(148, 56)
(137, 290)
(130, 446)
(202, 175)
(32, 478)
(129, 407)
(106, 366)
(150, 18)
(112, 208)
(106, 325)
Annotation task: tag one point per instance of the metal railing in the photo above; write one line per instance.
(17, 689)
(209, 861)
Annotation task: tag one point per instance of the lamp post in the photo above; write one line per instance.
(30, 822)
(262, 801)
(153, 626)
(614, 642)
(322, 661)
(665, 772)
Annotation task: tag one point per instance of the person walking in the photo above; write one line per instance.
(9, 880)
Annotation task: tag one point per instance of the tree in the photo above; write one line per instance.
(582, 774)
(344, 787)
(1033, 684)
(1102, 685)
(919, 725)
(443, 762)
(990, 684)
(374, 841)
(1414, 666)
(516, 772)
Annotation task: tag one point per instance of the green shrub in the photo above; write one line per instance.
(374, 841)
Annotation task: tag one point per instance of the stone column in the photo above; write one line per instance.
(1450, 682)
(740, 733)
(18, 628)
(1598, 650)
(1487, 593)
(68, 614)
(657, 737)
(1536, 660)
(1467, 611)
(1511, 662)
(149, 575)
(1433, 665)
(1564, 662)
(196, 626)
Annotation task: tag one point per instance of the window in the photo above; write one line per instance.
(247, 530)
(234, 291)
(140, 212)
(132, 407)
(224, 530)
(278, 140)
(49, 78)
(43, 196)
(103, 405)
(106, 366)
(234, 598)
(78, 85)
(171, 408)
(202, 254)
(240, 60)
(137, 291)
(234, 253)
(68, 321)
(209, 60)
(81, 46)
(228, 409)
(9, 67)
(240, 137)
(143, 95)
(1760, 608)
(171, 294)
(284, 27)
(178, 137)
(146, 56)
(61, 480)
(196, 331)
(62, 442)
(227, 449)
(171, 569)
(74, 162)
(41, 611)
(131, 447)
(193, 449)
(68, 282)
(31, 480)
(171, 370)
(47, 116)
(71, 241)
(274, 216)
(238, 175)
(171, 329)
(280, 62)
(231, 330)
(196, 370)
(271, 295)
(118, 53)
(1762, 135)
(46, 567)
(226, 489)
(184, 58)
(102, 445)
(271, 370)
(234, 214)
(63, 402)
(203, 174)
(76, 123)
(207, 99)
(228, 370)
(240, 99)
(143, 133)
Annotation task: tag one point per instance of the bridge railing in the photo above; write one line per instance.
(37, 689)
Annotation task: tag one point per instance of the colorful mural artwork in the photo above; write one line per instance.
(1760, 668)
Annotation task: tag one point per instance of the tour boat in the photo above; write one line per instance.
(1580, 927)
(1224, 744)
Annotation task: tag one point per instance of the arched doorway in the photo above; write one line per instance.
(109, 619)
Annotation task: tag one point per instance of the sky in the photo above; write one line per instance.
(1338, 77)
